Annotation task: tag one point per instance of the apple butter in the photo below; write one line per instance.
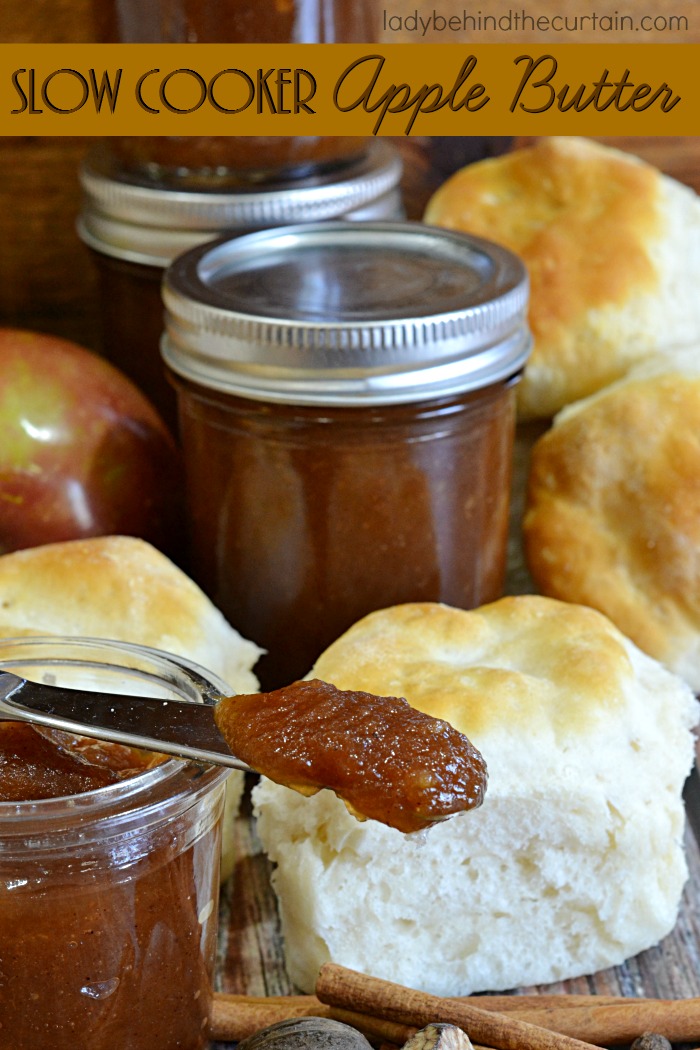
(136, 227)
(346, 411)
(108, 870)
(383, 758)
(235, 160)
(43, 763)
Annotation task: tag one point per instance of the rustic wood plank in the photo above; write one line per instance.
(251, 958)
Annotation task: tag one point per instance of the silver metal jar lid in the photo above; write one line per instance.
(342, 313)
(148, 223)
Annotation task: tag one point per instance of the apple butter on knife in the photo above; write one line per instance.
(383, 758)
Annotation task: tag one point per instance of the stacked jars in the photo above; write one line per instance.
(149, 198)
(135, 226)
(343, 391)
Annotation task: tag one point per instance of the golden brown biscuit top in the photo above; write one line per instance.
(125, 578)
(523, 665)
(120, 587)
(579, 215)
(613, 515)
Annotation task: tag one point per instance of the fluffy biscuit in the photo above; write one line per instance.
(573, 863)
(612, 515)
(612, 247)
(123, 589)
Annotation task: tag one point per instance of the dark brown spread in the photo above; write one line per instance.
(233, 162)
(253, 158)
(43, 763)
(385, 759)
(132, 323)
(106, 935)
(303, 520)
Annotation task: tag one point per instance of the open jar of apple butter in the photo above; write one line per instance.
(135, 228)
(346, 410)
(109, 867)
(235, 160)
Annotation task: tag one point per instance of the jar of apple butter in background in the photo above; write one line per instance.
(346, 410)
(135, 228)
(108, 882)
(234, 160)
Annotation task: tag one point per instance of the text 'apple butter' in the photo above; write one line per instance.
(383, 758)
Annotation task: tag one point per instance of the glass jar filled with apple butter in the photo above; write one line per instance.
(109, 867)
(232, 160)
(346, 410)
(135, 228)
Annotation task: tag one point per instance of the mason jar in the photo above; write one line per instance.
(109, 898)
(135, 228)
(346, 412)
(233, 160)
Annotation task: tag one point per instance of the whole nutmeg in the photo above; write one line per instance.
(651, 1041)
(300, 1033)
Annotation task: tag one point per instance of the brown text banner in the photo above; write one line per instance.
(349, 89)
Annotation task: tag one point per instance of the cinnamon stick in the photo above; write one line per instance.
(377, 1030)
(563, 1001)
(235, 1017)
(618, 1023)
(388, 1035)
(605, 1020)
(340, 987)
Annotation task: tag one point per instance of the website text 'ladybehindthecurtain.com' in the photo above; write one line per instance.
(452, 20)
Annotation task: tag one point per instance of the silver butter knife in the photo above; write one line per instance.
(183, 728)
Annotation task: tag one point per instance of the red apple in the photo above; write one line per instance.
(82, 452)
